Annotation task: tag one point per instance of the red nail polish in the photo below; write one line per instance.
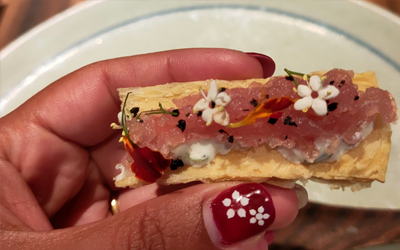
(242, 211)
(267, 63)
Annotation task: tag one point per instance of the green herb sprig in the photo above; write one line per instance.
(123, 122)
(291, 73)
(174, 112)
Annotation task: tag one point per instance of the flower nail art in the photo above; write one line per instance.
(260, 216)
(236, 197)
(242, 211)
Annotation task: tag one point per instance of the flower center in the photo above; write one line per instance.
(314, 94)
(212, 105)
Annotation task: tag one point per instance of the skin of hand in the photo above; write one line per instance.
(57, 158)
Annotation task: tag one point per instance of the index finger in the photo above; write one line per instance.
(87, 100)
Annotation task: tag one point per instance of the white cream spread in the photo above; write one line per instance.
(200, 153)
(203, 152)
(297, 157)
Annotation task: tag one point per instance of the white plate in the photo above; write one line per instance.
(301, 35)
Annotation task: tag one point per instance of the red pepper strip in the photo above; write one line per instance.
(148, 165)
(267, 109)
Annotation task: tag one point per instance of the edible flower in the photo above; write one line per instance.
(147, 165)
(314, 95)
(268, 109)
(213, 106)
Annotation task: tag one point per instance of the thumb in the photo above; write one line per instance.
(205, 216)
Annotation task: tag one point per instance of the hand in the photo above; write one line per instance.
(57, 158)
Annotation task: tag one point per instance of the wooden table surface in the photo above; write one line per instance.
(317, 226)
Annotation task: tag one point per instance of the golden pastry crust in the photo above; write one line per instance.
(355, 169)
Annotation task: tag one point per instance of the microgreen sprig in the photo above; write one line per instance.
(123, 122)
(291, 73)
(174, 112)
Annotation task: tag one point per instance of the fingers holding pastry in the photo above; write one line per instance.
(229, 215)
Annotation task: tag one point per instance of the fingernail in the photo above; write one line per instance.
(302, 195)
(267, 63)
(242, 211)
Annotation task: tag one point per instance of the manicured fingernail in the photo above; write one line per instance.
(267, 63)
(302, 195)
(242, 211)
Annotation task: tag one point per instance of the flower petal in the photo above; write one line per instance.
(236, 195)
(201, 105)
(120, 117)
(212, 91)
(208, 115)
(227, 202)
(221, 117)
(222, 99)
(303, 103)
(328, 92)
(315, 83)
(319, 106)
(304, 90)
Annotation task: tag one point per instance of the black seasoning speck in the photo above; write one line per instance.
(134, 111)
(267, 96)
(272, 121)
(331, 82)
(175, 164)
(342, 82)
(286, 137)
(212, 105)
(246, 110)
(199, 113)
(175, 113)
(289, 78)
(288, 121)
(187, 115)
(181, 125)
(327, 101)
(222, 89)
(332, 106)
(139, 120)
(254, 102)
(228, 136)
(356, 98)
(340, 86)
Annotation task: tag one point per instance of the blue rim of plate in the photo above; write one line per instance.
(347, 35)
(327, 26)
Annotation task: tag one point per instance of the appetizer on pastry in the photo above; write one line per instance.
(331, 127)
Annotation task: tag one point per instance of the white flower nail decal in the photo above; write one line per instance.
(212, 106)
(260, 216)
(318, 104)
(237, 197)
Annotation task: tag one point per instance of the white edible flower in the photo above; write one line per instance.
(212, 106)
(318, 104)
